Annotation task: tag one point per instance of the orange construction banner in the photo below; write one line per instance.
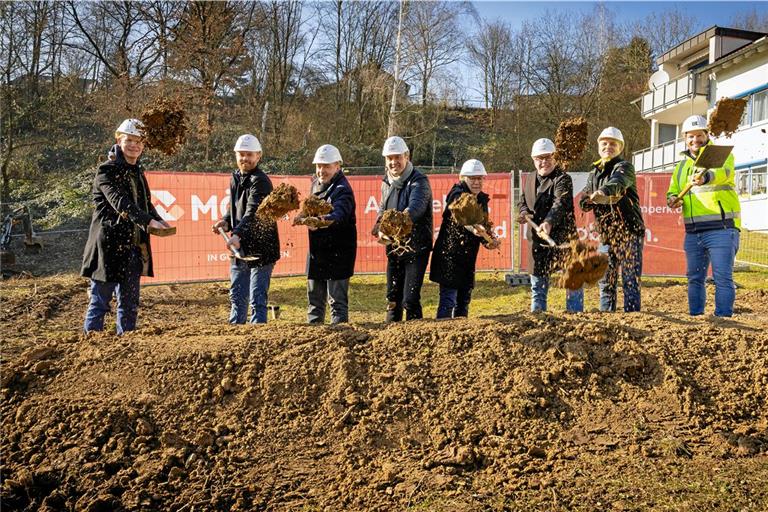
(664, 229)
(192, 202)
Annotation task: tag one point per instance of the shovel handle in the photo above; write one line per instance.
(539, 231)
(688, 186)
(236, 252)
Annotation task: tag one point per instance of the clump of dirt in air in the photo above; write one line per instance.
(313, 206)
(583, 265)
(726, 117)
(164, 125)
(283, 199)
(396, 225)
(467, 211)
(570, 141)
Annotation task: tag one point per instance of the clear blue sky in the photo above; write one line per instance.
(708, 13)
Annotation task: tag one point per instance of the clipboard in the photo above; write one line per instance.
(163, 232)
(712, 156)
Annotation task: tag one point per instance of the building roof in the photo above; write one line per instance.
(758, 46)
(701, 40)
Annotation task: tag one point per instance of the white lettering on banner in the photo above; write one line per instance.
(224, 206)
(500, 230)
(659, 209)
(649, 236)
(224, 256)
(372, 205)
(199, 207)
(437, 204)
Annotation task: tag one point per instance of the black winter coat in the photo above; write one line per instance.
(416, 196)
(548, 199)
(332, 250)
(455, 254)
(614, 221)
(258, 236)
(117, 218)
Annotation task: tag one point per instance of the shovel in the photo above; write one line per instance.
(539, 231)
(236, 252)
(479, 230)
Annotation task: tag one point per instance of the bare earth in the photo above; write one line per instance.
(547, 412)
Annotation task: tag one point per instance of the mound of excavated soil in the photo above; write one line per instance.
(283, 199)
(570, 141)
(726, 117)
(644, 411)
(467, 211)
(164, 125)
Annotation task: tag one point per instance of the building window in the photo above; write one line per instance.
(760, 106)
(667, 133)
(759, 175)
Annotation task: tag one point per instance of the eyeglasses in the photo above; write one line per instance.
(543, 158)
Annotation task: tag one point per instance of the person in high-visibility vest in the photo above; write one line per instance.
(712, 217)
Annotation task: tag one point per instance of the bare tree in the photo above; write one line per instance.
(433, 39)
(491, 51)
(665, 30)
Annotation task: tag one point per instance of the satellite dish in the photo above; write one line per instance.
(658, 79)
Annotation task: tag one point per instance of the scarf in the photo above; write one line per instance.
(391, 187)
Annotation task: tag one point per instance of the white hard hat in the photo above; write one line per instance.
(473, 167)
(130, 127)
(542, 147)
(694, 123)
(247, 142)
(327, 154)
(394, 146)
(611, 133)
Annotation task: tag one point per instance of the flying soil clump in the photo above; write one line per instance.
(570, 141)
(164, 126)
(312, 208)
(583, 265)
(467, 211)
(726, 117)
(283, 199)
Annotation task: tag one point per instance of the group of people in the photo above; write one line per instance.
(118, 250)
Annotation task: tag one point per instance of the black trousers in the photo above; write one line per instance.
(405, 275)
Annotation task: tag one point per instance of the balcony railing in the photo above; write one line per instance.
(672, 93)
(658, 158)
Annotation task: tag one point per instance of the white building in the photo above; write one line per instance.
(719, 62)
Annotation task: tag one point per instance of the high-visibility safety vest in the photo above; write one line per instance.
(713, 205)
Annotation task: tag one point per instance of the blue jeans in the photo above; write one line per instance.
(248, 283)
(574, 299)
(454, 303)
(127, 293)
(718, 247)
(627, 257)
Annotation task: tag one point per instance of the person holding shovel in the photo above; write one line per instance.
(712, 217)
(547, 201)
(332, 247)
(118, 251)
(456, 248)
(405, 189)
(254, 242)
(611, 194)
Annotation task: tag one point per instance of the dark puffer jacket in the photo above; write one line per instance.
(416, 196)
(624, 217)
(258, 236)
(332, 250)
(548, 199)
(119, 221)
(455, 254)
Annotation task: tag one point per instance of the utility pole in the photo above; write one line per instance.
(391, 128)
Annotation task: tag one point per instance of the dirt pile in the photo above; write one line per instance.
(582, 265)
(467, 211)
(570, 141)
(164, 125)
(283, 199)
(726, 117)
(516, 412)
